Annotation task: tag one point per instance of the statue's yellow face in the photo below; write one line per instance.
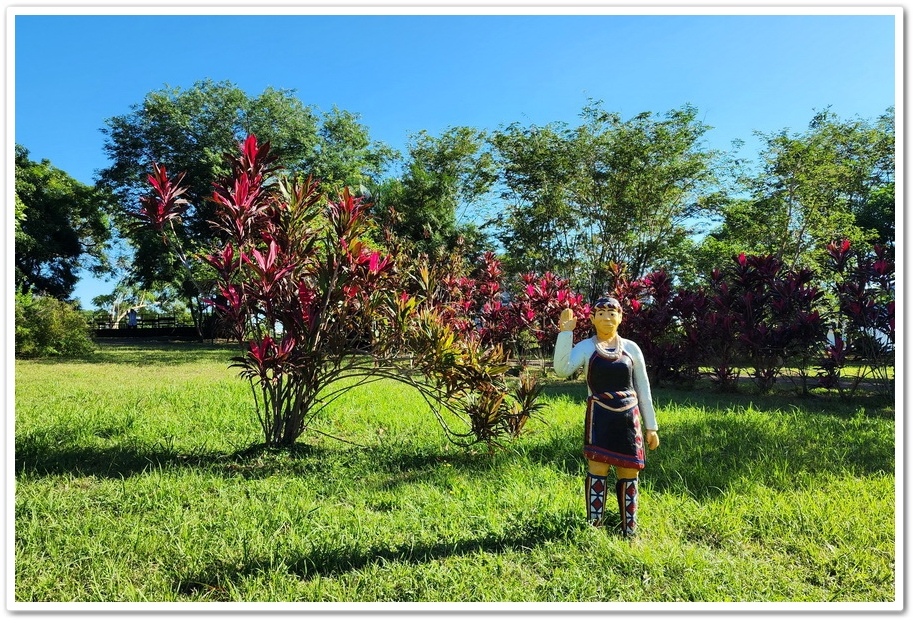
(606, 321)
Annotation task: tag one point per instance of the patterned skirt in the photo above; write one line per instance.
(613, 431)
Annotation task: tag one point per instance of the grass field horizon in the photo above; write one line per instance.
(140, 476)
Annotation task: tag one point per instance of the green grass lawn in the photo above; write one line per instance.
(139, 477)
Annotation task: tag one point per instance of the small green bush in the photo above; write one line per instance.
(48, 327)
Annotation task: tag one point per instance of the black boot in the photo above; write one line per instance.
(595, 495)
(628, 499)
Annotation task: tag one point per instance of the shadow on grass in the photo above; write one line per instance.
(706, 458)
(212, 582)
(39, 455)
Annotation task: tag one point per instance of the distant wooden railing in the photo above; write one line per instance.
(143, 322)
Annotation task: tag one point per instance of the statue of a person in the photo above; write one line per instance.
(619, 399)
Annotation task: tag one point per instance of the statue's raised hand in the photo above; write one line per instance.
(567, 320)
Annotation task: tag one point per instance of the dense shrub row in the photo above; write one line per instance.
(754, 315)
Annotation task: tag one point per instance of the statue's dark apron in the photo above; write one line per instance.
(613, 432)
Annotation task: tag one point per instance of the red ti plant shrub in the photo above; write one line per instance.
(764, 340)
(689, 309)
(667, 325)
(540, 300)
(318, 309)
(794, 309)
(497, 319)
(717, 331)
(631, 293)
(831, 365)
(471, 300)
(839, 256)
(864, 284)
(772, 312)
(434, 281)
(654, 327)
(649, 320)
(482, 304)
(165, 205)
(476, 306)
(163, 211)
(477, 303)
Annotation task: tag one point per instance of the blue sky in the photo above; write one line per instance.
(406, 73)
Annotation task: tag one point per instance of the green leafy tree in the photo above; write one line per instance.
(609, 190)
(20, 236)
(345, 154)
(877, 217)
(537, 224)
(190, 131)
(61, 227)
(866, 155)
(640, 186)
(836, 180)
(48, 327)
(124, 297)
(437, 198)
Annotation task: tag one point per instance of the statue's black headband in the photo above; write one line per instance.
(606, 302)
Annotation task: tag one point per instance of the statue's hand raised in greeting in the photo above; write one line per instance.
(567, 320)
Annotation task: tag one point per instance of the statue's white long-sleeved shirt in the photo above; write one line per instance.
(567, 359)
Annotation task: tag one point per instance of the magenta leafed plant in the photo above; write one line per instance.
(689, 309)
(772, 312)
(864, 321)
(165, 205)
(541, 300)
(317, 308)
(651, 323)
(482, 306)
(754, 313)
(718, 329)
(668, 325)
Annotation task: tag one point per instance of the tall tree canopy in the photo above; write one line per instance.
(575, 198)
(445, 178)
(609, 190)
(537, 227)
(345, 154)
(61, 227)
(836, 180)
(191, 130)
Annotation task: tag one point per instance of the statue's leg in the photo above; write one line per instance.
(596, 491)
(627, 499)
